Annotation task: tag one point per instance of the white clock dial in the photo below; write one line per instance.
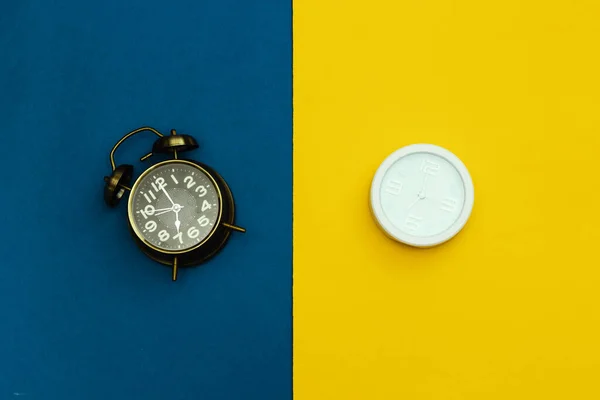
(422, 195)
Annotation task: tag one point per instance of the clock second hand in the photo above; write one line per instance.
(414, 203)
(163, 209)
(166, 210)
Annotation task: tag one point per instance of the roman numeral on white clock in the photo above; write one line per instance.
(394, 187)
(412, 222)
(430, 168)
(449, 204)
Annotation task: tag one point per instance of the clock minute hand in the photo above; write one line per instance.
(421, 195)
(168, 197)
(424, 185)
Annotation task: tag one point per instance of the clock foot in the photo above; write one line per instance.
(235, 228)
(174, 269)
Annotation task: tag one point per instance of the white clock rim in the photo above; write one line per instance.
(389, 228)
(135, 187)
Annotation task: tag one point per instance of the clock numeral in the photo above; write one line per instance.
(206, 206)
(179, 236)
(412, 222)
(430, 168)
(394, 187)
(151, 226)
(193, 232)
(174, 179)
(449, 204)
(202, 191)
(159, 184)
(163, 235)
(148, 198)
(189, 181)
(203, 221)
(147, 211)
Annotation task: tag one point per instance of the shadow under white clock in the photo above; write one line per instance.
(422, 195)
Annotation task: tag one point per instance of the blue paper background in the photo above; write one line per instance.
(84, 314)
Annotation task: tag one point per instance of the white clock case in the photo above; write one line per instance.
(397, 234)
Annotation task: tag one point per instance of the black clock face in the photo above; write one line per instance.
(174, 206)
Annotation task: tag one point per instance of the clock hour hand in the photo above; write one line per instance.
(177, 222)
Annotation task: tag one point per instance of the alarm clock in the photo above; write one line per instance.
(180, 212)
(422, 195)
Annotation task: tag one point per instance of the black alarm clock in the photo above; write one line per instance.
(180, 212)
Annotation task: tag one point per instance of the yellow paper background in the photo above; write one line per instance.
(510, 308)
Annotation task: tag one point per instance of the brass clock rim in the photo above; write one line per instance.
(130, 206)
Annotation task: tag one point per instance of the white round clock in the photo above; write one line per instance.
(422, 195)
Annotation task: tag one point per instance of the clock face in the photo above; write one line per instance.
(174, 206)
(422, 195)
